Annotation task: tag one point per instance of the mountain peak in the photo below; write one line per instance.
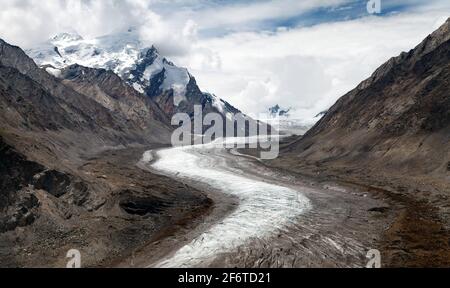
(132, 29)
(141, 67)
(438, 37)
(67, 36)
(151, 52)
(277, 111)
(430, 43)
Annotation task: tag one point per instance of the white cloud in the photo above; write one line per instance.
(171, 39)
(241, 13)
(172, 24)
(29, 22)
(304, 68)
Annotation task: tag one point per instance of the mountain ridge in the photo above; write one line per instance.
(143, 68)
(390, 136)
(391, 131)
(67, 179)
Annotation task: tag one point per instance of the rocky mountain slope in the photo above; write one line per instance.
(59, 188)
(392, 134)
(34, 100)
(397, 120)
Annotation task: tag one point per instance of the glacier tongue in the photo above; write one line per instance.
(264, 208)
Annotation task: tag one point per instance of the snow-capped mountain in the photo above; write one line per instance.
(277, 111)
(284, 120)
(142, 67)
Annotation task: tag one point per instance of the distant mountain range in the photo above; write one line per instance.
(173, 88)
(288, 124)
(277, 111)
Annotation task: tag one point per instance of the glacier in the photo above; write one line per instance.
(263, 207)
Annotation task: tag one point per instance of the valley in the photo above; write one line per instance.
(89, 162)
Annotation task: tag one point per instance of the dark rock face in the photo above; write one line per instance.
(397, 120)
(147, 59)
(54, 182)
(379, 209)
(16, 173)
(22, 214)
(143, 206)
(19, 182)
(19, 173)
(154, 88)
(79, 192)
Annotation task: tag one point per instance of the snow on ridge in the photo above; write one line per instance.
(176, 78)
(120, 53)
(67, 37)
(217, 103)
(53, 71)
(107, 52)
(124, 54)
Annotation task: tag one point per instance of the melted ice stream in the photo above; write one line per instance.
(263, 208)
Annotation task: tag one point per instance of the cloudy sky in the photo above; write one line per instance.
(302, 54)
